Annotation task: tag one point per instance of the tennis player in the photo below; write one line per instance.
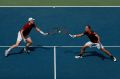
(94, 40)
(23, 34)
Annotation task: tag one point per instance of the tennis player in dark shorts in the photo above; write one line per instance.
(94, 40)
(23, 34)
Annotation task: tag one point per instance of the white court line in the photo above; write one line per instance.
(54, 62)
(55, 6)
(60, 46)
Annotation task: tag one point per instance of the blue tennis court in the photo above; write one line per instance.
(41, 62)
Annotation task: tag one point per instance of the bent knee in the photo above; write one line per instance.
(30, 42)
(16, 45)
(84, 47)
(102, 48)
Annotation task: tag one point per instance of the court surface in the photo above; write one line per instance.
(39, 64)
(59, 2)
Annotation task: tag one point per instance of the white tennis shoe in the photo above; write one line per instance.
(114, 59)
(78, 57)
(6, 53)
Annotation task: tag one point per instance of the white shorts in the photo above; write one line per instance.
(98, 45)
(19, 38)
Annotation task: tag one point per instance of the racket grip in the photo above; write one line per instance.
(73, 36)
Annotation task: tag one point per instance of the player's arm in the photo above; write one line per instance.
(40, 31)
(21, 32)
(97, 37)
(77, 35)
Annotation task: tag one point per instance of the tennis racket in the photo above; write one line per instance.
(53, 31)
(63, 30)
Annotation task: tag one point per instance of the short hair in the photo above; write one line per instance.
(88, 26)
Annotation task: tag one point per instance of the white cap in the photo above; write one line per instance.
(29, 19)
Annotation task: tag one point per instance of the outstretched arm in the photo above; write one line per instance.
(77, 35)
(40, 31)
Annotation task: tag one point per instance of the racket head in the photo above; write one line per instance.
(64, 30)
(58, 30)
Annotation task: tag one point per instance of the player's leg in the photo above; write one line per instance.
(101, 47)
(19, 39)
(29, 42)
(82, 50)
(12, 47)
(108, 53)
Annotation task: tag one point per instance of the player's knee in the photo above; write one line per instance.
(16, 45)
(102, 49)
(30, 42)
(83, 48)
(86, 46)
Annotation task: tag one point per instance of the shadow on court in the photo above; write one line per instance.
(19, 65)
(32, 50)
(89, 54)
(95, 53)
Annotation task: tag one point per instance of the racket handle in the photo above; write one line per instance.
(73, 36)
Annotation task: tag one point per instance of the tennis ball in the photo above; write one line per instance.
(59, 31)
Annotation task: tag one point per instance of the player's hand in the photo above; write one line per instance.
(73, 36)
(45, 34)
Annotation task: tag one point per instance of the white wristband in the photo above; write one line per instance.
(75, 35)
(41, 32)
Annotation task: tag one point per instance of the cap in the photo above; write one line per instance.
(29, 19)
